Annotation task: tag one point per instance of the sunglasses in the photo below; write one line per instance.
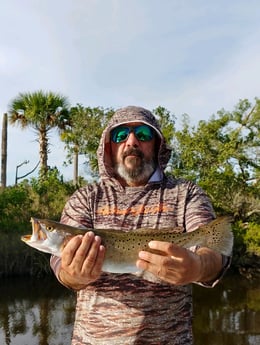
(142, 133)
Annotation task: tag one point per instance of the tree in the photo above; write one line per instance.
(166, 121)
(42, 111)
(222, 155)
(83, 135)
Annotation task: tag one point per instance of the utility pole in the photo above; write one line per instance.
(16, 170)
(4, 152)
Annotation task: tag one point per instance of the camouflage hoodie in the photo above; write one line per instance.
(124, 308)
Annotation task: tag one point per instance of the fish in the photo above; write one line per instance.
(122, 247)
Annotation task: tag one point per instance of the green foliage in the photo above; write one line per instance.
(40, 110)
(83, 136)
(49, 194)
(43, 197)
(252, 238)
(246, 252)
(222, 155)
(166, 121)
(15, 208)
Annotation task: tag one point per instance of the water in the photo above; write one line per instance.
(41, 312)
(228, 314)
(35, 312)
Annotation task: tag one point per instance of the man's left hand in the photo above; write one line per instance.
(176, 265)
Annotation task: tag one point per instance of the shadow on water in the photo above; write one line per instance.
(41, 312)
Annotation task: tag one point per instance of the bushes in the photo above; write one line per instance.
(50, 194)
(252, 238)
(15, 208)
(246, 252)
(43, 198)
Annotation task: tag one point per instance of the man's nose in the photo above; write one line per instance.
(132, 140)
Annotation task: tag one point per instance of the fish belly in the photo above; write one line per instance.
(113, 267)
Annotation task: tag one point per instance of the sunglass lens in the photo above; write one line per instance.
(119, 134)
(143, 133)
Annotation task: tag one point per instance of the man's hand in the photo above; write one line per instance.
(81, 261)
(180, 266)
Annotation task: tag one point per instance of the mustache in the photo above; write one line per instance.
(133, 151)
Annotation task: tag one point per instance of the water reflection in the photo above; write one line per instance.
(35, 312)
(41, 312)
(229, 314)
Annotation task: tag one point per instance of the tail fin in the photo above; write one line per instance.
(221, 238)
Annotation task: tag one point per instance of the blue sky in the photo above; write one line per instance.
(190, 56)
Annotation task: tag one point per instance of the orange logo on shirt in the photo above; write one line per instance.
(136, 210)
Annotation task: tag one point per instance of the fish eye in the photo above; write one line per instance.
(49, 228)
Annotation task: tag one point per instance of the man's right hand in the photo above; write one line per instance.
(81, 261)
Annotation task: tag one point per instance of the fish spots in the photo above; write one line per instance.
(125, 245)
(122, 247)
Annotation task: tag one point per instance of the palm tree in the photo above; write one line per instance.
(42, 111)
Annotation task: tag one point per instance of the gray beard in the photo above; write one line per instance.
(138, 175)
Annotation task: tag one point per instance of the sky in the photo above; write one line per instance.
(192, 57)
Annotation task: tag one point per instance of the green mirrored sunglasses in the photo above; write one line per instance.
(142, 133)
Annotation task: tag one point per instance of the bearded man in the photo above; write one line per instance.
(133, 192)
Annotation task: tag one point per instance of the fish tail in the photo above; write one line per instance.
(221, 237)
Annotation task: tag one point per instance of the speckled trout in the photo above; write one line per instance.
(122, 247)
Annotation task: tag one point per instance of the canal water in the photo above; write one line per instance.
(41, 312)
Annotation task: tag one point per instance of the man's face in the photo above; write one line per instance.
(133, 158)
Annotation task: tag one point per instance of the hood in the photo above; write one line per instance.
(127, 115)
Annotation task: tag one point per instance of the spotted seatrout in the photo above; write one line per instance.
(122, 247)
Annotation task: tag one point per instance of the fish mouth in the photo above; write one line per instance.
(37, 232)
(26, 238)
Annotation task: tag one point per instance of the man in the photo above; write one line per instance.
(134, 192)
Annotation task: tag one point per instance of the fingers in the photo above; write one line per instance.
(70, 249)
(153, 263)
(91, 264)
(168, 251)
(83, 257)
(166, 247)
(87, 250)
(176, 265)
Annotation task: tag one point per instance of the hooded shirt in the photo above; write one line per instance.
(128, 308)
